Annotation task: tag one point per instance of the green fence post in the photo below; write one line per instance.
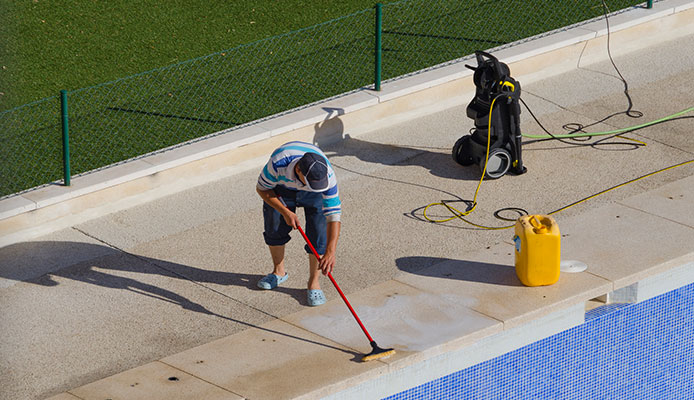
(66, 138)
(377, 76)
(649, 4)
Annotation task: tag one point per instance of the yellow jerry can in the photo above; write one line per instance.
(538, 250)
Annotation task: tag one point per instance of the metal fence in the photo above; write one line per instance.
(139, 114)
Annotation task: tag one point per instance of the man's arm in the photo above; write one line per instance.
(270, 197)
(327, 261)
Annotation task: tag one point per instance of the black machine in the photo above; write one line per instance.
(494, 86)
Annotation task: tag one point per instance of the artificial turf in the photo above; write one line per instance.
(49, 45)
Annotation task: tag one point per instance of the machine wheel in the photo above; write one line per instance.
(498, 164)
(462, 153)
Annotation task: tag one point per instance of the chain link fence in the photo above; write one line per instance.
(30, 146)
(419, 34)
(154, 110)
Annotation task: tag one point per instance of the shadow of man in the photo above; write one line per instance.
(48, 263)
(331, 137)
(41, 263)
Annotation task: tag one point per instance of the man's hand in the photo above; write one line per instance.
(327, 262)
(290, 218)
(274, 201)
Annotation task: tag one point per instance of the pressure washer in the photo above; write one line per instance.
(495, 143)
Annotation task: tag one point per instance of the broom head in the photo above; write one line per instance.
(377, 353)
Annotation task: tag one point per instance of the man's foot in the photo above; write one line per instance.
(271, 281)
(315, 297)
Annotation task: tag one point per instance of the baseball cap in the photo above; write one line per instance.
(315, 170)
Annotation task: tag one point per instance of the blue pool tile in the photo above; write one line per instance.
(622, 351)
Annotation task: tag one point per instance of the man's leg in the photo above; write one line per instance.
(276, 235)
(316, 233)
(314, 273)
(277, 253)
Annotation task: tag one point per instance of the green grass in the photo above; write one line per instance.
(50, 45)
(236, 84)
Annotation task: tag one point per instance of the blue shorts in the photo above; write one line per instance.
(277, 231)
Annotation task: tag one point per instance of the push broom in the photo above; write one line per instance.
(376, 351)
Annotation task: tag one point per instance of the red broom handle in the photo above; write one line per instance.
(330, 275)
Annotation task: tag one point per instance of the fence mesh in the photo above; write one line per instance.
(119, 120)
(171, 105)
(418, 34)
(30, 146)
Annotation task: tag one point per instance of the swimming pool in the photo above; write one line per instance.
(622, 351)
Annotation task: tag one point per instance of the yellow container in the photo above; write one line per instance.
(538, 251)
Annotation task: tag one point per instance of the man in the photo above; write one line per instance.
(298, 174)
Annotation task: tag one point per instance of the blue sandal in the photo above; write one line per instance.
(315, 297)
(271, 281)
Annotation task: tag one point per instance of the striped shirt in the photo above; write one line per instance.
(279, 170)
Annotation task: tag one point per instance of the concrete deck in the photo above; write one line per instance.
(139, 282)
